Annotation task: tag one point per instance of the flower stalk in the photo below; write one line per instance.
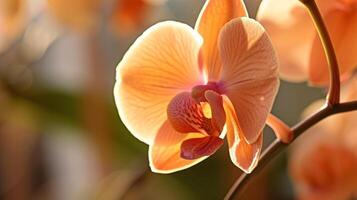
(333, 96)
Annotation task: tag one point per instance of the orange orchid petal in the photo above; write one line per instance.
(161, 63)
(165, 152)
(213, 16)
(243, 155)
(342, 27)
(249, 73)
(292, 33)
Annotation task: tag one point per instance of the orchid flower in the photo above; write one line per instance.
(296, 41)
(181, 90)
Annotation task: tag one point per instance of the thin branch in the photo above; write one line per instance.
(333, 96)
(277, 146)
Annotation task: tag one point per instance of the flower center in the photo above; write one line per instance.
(200, 110)
(187, 115)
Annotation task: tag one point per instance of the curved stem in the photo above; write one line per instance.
(277, 146)
(333, 96)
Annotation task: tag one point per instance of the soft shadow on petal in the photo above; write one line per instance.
(243, 155)
(165, 152)
(292, 33)
(161, 63)
(249, 73)
(213, 16)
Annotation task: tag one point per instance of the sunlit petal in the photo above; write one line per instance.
(160, 64)
(213, 16)
(249, 73)
(165, 152)
(243, 155)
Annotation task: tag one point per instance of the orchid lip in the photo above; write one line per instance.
(186, 115)
(200, 111)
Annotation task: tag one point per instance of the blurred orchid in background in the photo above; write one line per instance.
(297, 43)
(323, 162)
(14, 17)
(80, 15)
(177, 87)
(129, 15)
(323, 167)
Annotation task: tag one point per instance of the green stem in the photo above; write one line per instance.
(277, 146)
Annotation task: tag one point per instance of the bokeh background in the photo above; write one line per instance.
(60, 135)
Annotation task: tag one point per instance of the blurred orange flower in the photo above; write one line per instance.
(80, 15)
(12, 20)
(323, 162)
(129, 14)
(178, 89)
(297, 43)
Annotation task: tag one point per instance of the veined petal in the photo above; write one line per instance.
(213, 16)
(165, 152)
(243, 155)
(161, 63)
(249, 74)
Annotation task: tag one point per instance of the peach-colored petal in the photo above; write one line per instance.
(160, 64)
(164, 153)
(243, 155)
(292, 33)
(213, 16)
(249, 73)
